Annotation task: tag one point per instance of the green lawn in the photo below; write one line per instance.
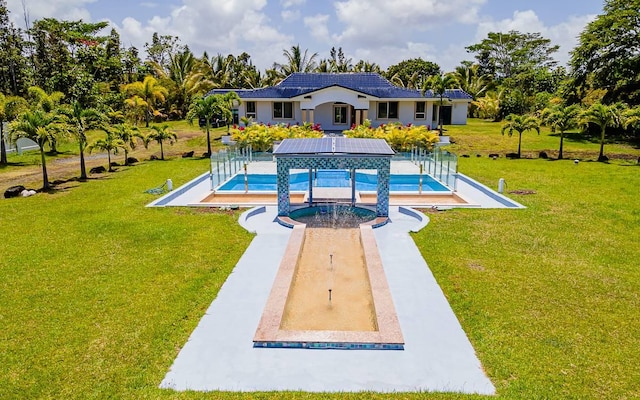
(98, 293)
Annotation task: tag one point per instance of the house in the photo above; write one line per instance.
(337, 101)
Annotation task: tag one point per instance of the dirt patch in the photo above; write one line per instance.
(522, 191)
(351, 307)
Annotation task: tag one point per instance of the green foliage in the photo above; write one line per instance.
(149, 92)
(412, 73)
(111, 143)
(561, 118)
(401, 138)
(520, 124)
(608, 53)
(261, 136)
(604, 117)
(505, 55)
(160, 134)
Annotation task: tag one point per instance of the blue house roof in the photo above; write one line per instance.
(368, 83)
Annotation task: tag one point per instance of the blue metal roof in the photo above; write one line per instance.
(334, 145)
(368, 83)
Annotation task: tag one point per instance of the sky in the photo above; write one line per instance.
(381, 31)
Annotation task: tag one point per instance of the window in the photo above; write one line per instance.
(421, 108)
(282, 110)
(250, 109)
(340, 114)
(388, 110)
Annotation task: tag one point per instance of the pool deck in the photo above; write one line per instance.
(468, 193)
(219, 355)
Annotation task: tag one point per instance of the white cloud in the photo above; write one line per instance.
(318, 28)
(291, 3)
(564, 34)
(216, 26)
(384, 22)
(290, 15)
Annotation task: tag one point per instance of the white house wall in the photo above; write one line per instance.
(459, 113)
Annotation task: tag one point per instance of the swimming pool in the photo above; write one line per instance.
(333, 178)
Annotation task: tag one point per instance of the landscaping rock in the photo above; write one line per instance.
(27, 193)
(206, 155)
(98, 170)
(13, 191)
(543, 154)
(114, 164)
(465, 156)
(187, 154)
(154, 157)
(494, 155)
(603, 159)
(132, 160)
(512, 155)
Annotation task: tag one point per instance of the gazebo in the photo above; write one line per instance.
(334, 153)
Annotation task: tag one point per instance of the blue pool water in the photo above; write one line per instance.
(335, 178)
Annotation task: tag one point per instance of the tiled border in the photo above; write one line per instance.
(387, 337)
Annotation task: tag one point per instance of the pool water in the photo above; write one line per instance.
(334, 178)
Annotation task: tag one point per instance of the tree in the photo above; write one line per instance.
(128, 134)
(162, 48)
(366, 66)
(412, 73)
(148, 90)
(205, 108)
(631, 118)
(10, 107)
(160, 134)
(40, 127)
(608, 53)
(13, 68)
(337, 62)
(110, 143)
(520, 124)
(297, 61)
(48, 103)
(504, 55)
(561, 118)
(79, 120)
(439, 84)
(604, 117)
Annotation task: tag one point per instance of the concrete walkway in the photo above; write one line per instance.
(438, 356)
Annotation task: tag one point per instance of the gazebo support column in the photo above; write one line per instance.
(283, 189)
(353, 187)
(310, 186)
(384, 173)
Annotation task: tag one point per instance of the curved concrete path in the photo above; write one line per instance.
(437, 356)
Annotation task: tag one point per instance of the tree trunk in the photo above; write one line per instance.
(208, 141)
(45, 177)
(109, 160)
(126, 157)
(519, 143)
(161, 151)
(601, 155)
(83, 167)
(3, 148)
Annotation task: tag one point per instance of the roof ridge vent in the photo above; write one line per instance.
(333, 144)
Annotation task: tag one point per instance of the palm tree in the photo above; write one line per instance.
(111, 143)
(561, 118)
(604, 116)
(160, 134)
(150, 91)
(366, 66)
(297, 61)
(226, 104)
(10, 107)
(631, 118)
(204, 108)
(520, 124)
(38, 126)
(47, 102)
(80, 119)
(136, 109)
(439, 84)
(128, 134)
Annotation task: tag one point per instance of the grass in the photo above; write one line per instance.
(98, 293)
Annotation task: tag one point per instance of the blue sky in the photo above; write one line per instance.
(380, 31)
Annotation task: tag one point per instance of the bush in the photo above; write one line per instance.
(261, 136)
(400, 137)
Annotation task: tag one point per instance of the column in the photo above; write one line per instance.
(283, 188)
(311, 116)
(384, 173)
(358, 117)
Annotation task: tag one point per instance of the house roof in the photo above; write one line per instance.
(333, 145)
(369, 83)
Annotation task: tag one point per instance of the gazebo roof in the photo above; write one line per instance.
(334, 145)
